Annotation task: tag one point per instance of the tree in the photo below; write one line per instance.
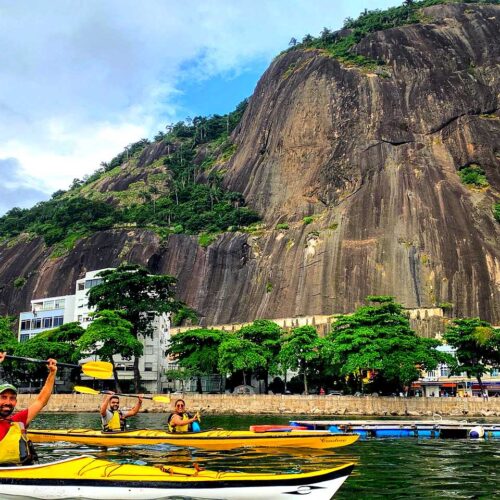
(477, 347)
(239, 354)
(197, 351)
(59, 343)
(267, 336)
(300, 349)
(140, 295)
(376, 344)
(8, 340)
(108, 335)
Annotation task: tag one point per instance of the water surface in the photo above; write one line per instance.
(386, 468)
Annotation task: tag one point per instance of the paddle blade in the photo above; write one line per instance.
(98, 369)
(85, 390)
(161, 399)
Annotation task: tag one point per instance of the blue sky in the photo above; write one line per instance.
(81, 79)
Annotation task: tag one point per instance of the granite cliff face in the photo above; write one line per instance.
(371, 159)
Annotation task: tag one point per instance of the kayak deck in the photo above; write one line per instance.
(89, 477)
(212, 439)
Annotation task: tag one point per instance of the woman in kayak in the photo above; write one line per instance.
(181, 421)
(113, 419)
(15, 448)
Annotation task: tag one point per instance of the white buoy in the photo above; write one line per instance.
(476, 432)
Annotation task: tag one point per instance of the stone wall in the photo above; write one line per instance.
(320, 406)
(426, 321)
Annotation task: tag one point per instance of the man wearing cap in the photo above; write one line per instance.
(15, 449)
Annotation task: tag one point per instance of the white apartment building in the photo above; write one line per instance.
(52, 312)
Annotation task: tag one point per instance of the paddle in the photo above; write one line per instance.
(94, 369)
(88, 390)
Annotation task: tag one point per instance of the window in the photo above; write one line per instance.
(58, 321)
(148, 367)
(26, 324)
(24, 337)
(48, 305)
(495, 372)
(36, 323)
(81, 286)
(60, 303)
(92, 283)
(444, 371)
(47, 322)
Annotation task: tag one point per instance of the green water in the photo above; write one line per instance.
(389, 468)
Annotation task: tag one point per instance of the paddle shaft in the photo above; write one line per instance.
(32, 360)
(125, 395)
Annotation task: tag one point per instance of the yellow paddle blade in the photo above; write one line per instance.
(97, 369)
(160, 399)
(85, 390)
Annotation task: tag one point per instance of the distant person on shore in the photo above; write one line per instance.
(15, 448)
(112, 418)
(181, 421)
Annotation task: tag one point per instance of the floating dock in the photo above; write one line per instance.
(458, 429)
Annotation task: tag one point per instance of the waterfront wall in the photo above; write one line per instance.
(261, 404)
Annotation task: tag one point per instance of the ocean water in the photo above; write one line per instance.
(386, 468)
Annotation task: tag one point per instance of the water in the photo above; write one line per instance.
(386, 469)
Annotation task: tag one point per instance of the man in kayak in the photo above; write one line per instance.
(181, 421)
(113, 419)
(15, 448)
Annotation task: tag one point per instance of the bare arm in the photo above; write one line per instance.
(177, 420)
(133, 411)
(44, 396)
(105, 403)
(2, 356)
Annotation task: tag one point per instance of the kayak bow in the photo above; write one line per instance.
(92, 478)
(212, 440)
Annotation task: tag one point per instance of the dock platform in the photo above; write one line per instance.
(459, 429)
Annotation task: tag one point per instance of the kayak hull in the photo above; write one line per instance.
(91, 478)
(212, 440)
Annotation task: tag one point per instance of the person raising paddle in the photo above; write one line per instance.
(113, 419)
(15, 448)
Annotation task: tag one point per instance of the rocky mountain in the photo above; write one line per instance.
(358, 175)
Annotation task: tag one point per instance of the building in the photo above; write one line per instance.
(51, 312)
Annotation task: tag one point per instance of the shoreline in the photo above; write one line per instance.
(262, 404)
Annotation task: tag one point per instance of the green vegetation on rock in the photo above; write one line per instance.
(473, 175)
(340, 44)
(175, 194)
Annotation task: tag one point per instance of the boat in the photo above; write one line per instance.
(210, 439)
(92, 478)
(276, 428)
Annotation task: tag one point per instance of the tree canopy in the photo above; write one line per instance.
(109, 335)
(300, 350)
(139, 295)
(477, 347)
(377, 343)
(197, 351)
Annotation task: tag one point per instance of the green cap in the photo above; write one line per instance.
(7, 387)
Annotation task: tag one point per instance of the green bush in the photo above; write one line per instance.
(206, 239)
(496, 211)
(473, 175)
(308, 219)
(20, 282)
(284, 225)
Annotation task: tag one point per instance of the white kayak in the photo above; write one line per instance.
(88, 477)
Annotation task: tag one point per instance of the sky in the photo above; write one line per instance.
(82, 79)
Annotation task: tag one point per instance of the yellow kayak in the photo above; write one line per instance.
(212, 439)
(91, 478)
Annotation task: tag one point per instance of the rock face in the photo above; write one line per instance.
(372, 160)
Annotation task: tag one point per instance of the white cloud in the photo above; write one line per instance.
(81, 80)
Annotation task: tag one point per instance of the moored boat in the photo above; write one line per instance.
(211, 439)
(91, 478)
